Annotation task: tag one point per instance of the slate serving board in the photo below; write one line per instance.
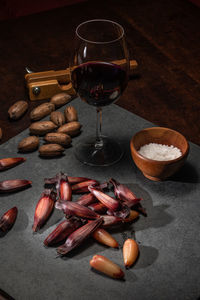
(169, 263)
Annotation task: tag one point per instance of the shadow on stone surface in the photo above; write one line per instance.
(6, 193)
(156, 215)
(22, 221)
(2, 233)
(186, 174)
(110, 278)
(169, 188)
(147, 257)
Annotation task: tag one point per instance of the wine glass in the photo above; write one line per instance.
(99, 74)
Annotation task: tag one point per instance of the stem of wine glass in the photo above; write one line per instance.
(99, 140)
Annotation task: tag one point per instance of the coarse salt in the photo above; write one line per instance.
(160, 152)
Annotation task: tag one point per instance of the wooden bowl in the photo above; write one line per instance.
(154, 169)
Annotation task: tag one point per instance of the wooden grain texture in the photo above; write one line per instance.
(163, 36)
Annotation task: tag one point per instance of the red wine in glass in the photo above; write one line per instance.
(99, 73)
(99, 83)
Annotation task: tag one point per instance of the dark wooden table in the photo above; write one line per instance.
(163, 36)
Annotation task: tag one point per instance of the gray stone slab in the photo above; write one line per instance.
(169, 263)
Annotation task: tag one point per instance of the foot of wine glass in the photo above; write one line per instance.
(99, 150)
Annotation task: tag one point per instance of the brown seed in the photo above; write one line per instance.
(98, 207)
(13, 185)
(10, 162)
(70, 114)
(60, 99)
(130, 252)
(86, 199)
(109, 221)
(82, 187)
(74, 180)
(42, 111)
(29, 144)
(58, 118)
(8, 219)
(62, 231)
(17, 109)
(103, 237)
(132, 216)
(58, 138)
(51, 150)
(73, 208)
(42, 127)
(1, 133)
(108, 201)
(106, 266)
(72, 128)
(78, 236)
(43, 209)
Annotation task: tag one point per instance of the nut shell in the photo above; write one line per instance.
(60, 99)
(29, 144)
(58, 138)
(42, 111)
(42, 127)
(72, 128)
(58, 118)
(17, 109)
(50, 150)
(70, 114)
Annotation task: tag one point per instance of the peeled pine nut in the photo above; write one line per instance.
(105, 238)
(132, 216)
(106, 266)
(130, 252)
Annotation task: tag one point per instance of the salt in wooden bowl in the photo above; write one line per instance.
(155, 169)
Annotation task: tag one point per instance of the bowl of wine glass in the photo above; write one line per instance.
(99, 71)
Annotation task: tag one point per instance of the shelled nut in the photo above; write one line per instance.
(17, 109)
(60, 99)
(29, 144)
(58, 118)
(42, 127)
(70, 114)
(42, 111)
(58, 138)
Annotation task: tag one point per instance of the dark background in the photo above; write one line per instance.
(163, 36)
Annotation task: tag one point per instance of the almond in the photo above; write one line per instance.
(42, 111)
(42, 127)
(17, 109)
(1, 133)
(29, 144)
